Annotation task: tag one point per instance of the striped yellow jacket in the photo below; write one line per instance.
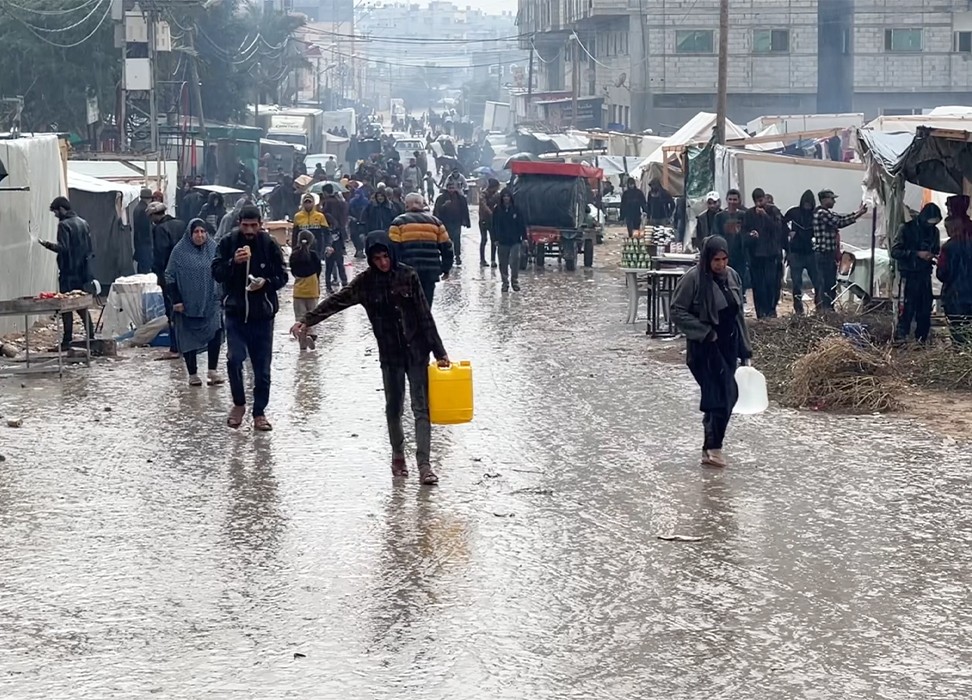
(422, 243)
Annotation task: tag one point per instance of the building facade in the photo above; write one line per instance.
(785, 56)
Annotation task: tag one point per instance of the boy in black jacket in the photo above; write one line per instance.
(402, 322)
(250, 266)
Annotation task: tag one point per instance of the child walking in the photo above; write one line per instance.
(305, 265)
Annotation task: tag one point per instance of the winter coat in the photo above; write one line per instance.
(142, 234)
(452, 210)
(659, 205)
(914, 237)
(74, 253)
(400, 316)
(421, 242)
(509, 226)
(165, 236)
(266, 261)
(768, 223)
(955, 274)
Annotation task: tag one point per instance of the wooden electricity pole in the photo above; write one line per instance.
(723, 83)
(574, 80)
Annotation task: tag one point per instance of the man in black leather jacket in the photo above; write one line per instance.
(73, 248)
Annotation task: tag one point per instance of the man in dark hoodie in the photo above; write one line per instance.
(452, 209)
(955, 269)
(915, 248)
(800, 258)
(142, 233)
(74, 252)
(659, 205)
(763, 225)
(379, 214)
(250, 266)
(213, 211)
(633, 204)
(405, 330)
(167, 231)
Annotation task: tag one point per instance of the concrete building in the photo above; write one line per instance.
(655, 61)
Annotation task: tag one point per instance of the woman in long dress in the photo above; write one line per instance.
(195, 300)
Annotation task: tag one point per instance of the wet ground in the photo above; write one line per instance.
(150, 552)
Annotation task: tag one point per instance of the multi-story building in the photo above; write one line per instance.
(654, 62)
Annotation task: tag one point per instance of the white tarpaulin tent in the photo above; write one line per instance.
(697, 130)
(143, 173)
(25, 217)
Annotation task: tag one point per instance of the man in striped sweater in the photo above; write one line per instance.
(422, 243)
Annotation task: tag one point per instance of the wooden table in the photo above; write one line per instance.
(28, 306)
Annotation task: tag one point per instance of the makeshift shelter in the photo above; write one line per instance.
(105, 206)
(144, 173)
(34, 179)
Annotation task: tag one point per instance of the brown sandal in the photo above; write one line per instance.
(235, 418)
(261, 424)
(398, 466)
(427, 476)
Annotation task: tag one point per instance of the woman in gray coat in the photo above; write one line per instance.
(708, 309)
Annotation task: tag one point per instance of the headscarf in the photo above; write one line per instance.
(711, 300)
(190, 267)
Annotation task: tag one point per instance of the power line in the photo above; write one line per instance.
(55, 44)
(70, 26)
(51, 13)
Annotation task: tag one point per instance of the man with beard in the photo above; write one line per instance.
(728, 225)
(452, 209)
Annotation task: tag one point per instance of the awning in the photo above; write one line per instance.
(938, 159)
(86, 183)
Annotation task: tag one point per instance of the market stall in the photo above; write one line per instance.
(44, 305)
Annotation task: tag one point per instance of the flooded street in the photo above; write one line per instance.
(150, 551)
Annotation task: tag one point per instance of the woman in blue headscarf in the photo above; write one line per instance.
(195, 300)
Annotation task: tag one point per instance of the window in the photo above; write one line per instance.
(771, 41)
(624, 44)
(902, 40)
(962, 42)
(694, 41)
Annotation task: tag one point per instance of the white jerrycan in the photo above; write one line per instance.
(753, 397)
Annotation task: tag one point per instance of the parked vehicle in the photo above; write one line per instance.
(553, 199)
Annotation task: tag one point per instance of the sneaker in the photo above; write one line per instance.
(214, 378)
(194, 380)
(516, 287)
(261, 424)
(458, 261)
(235, 419)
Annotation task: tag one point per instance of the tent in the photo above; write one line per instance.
(143, 173)
(33, 163)
(698, 129)
(105, 206)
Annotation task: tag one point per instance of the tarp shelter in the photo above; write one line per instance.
(144, 173)
(25, 218)
(696, 130)
(933, 158)
(105, 206)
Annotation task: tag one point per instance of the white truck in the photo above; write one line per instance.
(298, 126)
(340, 119)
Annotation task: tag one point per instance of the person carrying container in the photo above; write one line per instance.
(402, 322)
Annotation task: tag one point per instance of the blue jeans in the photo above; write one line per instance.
(253, 338)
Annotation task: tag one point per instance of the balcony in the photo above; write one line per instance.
(580, 10)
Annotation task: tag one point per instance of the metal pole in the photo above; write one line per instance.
(574, 79)
(723, 84)
(529, 97)
(122, 136)
(870, 268)
(153, 108)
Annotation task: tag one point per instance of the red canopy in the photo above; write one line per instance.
(542, 167)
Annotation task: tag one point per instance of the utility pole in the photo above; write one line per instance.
(151, 17)
(529, 97)
(723, 84)
(196, 88)
(575, 79)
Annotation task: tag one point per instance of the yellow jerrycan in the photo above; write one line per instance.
(451, 393)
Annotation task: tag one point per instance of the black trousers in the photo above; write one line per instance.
(798, 263)
(917, 306)
(766, 282)
(826, 281)
(714, 425)
(68, 320)
(334, 269)
(212, 351)
(483, 240)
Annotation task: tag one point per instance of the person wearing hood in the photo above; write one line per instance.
(402, 322)
(633, 204)
(915, 248)
(142, 233)
(192, 201)
(488, 201)
(509, 232)
(800, 258)
(305, 266)
(74, 253)
(707, 308)
(379, 214)
(452, 209)
(762, 225)
(705, 222)
(231, 219)
(955, 270)
(659, 205)
(213, 211)
(196, 311)
(167, 231)
(250, 266)
(422, 242)
(356, 213)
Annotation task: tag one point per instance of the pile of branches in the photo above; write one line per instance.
(841, 374)
(939, 366)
